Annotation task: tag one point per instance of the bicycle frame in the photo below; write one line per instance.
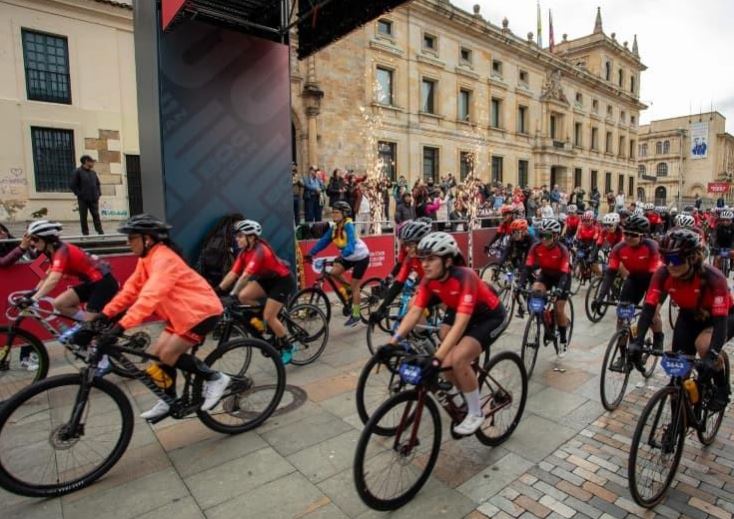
(327, 276)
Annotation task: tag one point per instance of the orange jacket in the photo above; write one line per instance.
(164, 284)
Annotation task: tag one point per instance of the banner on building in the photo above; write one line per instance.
(718, 187)
(699, 140)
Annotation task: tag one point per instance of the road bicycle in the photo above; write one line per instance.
(582, 272)
(63, 433)
(724, 260)
(617, 366)
(371, 291)
(542, 317)
(657, 444)
(400, 443)
(597, 314)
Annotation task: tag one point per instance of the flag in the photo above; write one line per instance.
(540, 29)
(551, 43)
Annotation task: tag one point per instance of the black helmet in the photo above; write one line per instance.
(145, 224)
(683, 242)
(637, 223)
(343, 207)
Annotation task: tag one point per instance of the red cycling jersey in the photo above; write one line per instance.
(572, 223)
(260, 261)
(463, 292)
(504, 229)
(610, 238)
(554, 260)
(406, 267)
(587, 233)
(653, 218)
(715, 299)
(72, 261)
(643, 259)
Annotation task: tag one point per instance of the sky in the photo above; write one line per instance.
(686, 45)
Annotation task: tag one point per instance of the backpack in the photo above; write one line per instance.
(218, 250)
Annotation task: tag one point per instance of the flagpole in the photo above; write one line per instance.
(540, 28)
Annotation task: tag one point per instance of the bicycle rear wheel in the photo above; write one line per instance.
(712, 420)
(370, 298)
(258, 383)
(310, 329)
(591, 296)
(390, 470)
(17, 348)
(503, 391)
(614, 379)
(312, 296)
(657, 446)
(40, 456)
(531, 344)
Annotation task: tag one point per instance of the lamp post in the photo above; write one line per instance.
(682, 133)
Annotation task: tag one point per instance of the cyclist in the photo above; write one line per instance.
(571, 225)
(355, 255)
(507, 212)
(587, 235)
(552, 258)
(611, 233)
(474, 311)
(706, 317)
(259, 274)
(723, 237)
(164, 284)
(653, 217)
(640, 258)
(520, 243)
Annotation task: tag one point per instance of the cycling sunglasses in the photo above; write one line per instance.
(546, 235)
(632, 234)
(673, 259)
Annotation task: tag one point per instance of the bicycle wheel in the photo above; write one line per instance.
(576, 279)
(369, 298)
(531, 344)
(312, 296)
(378, 381)
(672, 313)
(613, 382)
(591, 296)
(389, 471)
(379, 333)
(507, 296)
(657, 446)
(503, 390)
(712, 420)
(40, 456)
(570, 315)
(649, 361)
(22, 347)
(490, 273)
(310, 329)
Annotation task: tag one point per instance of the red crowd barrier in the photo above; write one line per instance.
(480, 239)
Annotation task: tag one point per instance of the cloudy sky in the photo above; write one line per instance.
(685, 44)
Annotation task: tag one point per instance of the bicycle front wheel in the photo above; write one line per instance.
(23, 360)
(591, 296)
(310, 330)
(657, 446)
(377, 382)
(531, 344)
(615, 371)
(312, 296)
(42, 454)
(390, 470)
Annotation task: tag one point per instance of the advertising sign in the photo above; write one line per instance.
(718, 187)
(699, 140)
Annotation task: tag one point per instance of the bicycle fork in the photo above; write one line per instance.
(407, 448)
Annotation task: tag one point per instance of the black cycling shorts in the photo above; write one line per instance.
(687, 328)
(96, 294)
(634, 288)
(279, 289)
(198, 333)
(359, 266)
(481, 325)
(552, 281)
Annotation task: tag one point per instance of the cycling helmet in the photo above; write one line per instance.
(248, 227)
(550, 225)
(637, 223)
(438, 244)
(571, 208)
(610, 219)
(680, 241)
(45, 229)
(623, 213)
(688, 209)
(562, 217)
(649, 207)
(413, 232)
(684, 220)
(674, 210)
(344, 208)
(661, 209)
(588, 216)
(505, 210)
(521, 225)
(639, 212)
(425, 219)
(726, 214)
(145, 224)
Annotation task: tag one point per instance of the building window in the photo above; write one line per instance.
(633, 120)
(620, 183)
(622, 147)
(623, 116)
(523, 76)
(386, 156)
(429, 42)
(428, 96)
(553, 126)
(662, 169)
(666, 147)
(577, 177)
(610, 111)
(496, 169)
(464, 105)
(384, 27)
(384, 86)
(496, 68)
(633, 84)
(595, 106)
(595, 139)
(522, 119)
(465, 55)
(594, 179)
(496, 113)
(46, 67)
(579, 99)
(643, 150)
(466, 164)
(522, 173)
(53, 158)
(620, 78)
(608, 144)
(430, 164)
(631, 186)
(658, 148)
(608, 182)
(641, 170)
(633, 146)
(577, 134)
(608, 70)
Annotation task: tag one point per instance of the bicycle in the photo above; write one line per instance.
(661, 429)
(543, 316)
(617, 366)
(63, 433)
(596, 315)
(371, 291)
(724, 260)
(401, 441)
(582, 271)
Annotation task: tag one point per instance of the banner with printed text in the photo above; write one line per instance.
(699, 142)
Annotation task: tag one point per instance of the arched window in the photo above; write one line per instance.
(641, 194)
(658, 148)
(660, 196)
(666, 147)
(662, 169)
(641, 170)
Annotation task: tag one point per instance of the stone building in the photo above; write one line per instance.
(430, 89)
(682, 155)
(67, 88)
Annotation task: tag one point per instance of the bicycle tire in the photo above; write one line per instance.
(609, 403)
(228, 403)
(310, 344)
(37, 347)
(368, 301)
(379, 333)
(680, 431)
(360, 474)
(571, 319)
(708, 436)
(529, 352)
(513, 358)
(312, 296)
(504, 294)
(576, 279)
(394, 386)
(13, 484)
(591, 296)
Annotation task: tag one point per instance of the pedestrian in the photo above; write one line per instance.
(697, 203)
(546, 210)
(312, 187)
(297, 193)
(86, 188)
(459, 217)
(336, 188)
(555, 198)
(9, 252)
(405, 210)
(619, 201)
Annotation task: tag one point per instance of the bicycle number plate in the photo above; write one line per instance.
(410, 373)
(675, 366)
(626, 312)
(724, 253)
(536, 304)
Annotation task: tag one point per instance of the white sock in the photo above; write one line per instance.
(472, 402)
(80, 315)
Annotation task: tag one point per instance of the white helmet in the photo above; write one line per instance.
(649, 206)
(45, 229)
(571, 208)
(684, 220)
(726, 214)
(550, 225)
(414, 231)
(248, 227)
(610, 219)
(438, 244)
(638, 211)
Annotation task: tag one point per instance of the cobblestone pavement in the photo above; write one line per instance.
(566, 459)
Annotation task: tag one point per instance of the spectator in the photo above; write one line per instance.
(697, 202)
(354, 191)
(86, 188)
(610, 202)
(420, 197)
(595, 201)
(555, 198)
(405, 209)
(10, 253)
(546, 210)
(531, 208)
(336, 188)
(297, 193)
(312, 187)
(459, 217)
(619, 201)
(442, 214)
(385, 186)
(498, 199)
(363, 215)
